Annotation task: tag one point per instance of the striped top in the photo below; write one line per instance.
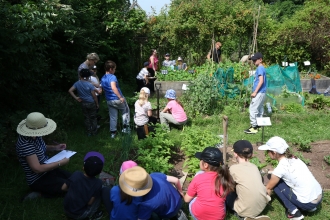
(27, 146)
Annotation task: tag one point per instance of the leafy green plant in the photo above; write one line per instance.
(155, 151)
(293, 108)
(256, 162)
(318, 102)
(195, 139)
(303, 144)
(327, 159)
(269, 160)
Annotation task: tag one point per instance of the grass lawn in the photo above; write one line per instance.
(311, 125)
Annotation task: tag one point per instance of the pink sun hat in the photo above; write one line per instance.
(126, 165)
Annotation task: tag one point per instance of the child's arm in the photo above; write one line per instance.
(187, 198)
(176, 182)
(64, 187)
(115, 90)
(95, 98)
(272, 183)
(71, 91)
(261, 81)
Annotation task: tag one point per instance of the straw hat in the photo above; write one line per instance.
(36, 125)
(135, 181)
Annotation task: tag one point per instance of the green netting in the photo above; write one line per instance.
(226, 85)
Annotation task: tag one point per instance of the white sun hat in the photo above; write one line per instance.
(276, 144)
(36, 125)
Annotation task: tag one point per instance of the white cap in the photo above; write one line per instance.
(146, 90)
(179, 58)
(276, 144)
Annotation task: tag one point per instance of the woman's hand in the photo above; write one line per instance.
(63, 161)
(60, 147)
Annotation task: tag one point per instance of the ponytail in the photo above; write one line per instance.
(224, 180)
(179, 103)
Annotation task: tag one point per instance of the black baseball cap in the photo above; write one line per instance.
(85, 73)
(167, 54)
(256, 56)
(211, 155)
(93, 163)
(243, 147)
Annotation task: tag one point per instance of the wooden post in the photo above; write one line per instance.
(225, 125)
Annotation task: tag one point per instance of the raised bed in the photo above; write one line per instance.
(321, 84)
(176, 85)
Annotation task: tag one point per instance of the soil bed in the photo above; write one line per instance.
(319, 168)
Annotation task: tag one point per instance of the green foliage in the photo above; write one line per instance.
(303, 144)
(202, 96)
(319, 102)
(155, 151)
(327, 159)
(256, 162)
(293, 108)
(270, 161)
(195, 139)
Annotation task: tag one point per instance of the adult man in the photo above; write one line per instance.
(216, 54)
(258, 93)
(167, 62)
(91, 60)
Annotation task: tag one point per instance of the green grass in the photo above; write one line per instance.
(309, 125)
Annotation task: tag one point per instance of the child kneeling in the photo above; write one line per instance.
(84, 189)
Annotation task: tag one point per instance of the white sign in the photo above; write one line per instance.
(264, 121)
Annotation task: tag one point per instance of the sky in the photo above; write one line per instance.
(156, 4)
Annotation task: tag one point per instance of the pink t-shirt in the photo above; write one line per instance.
(177, 111)
(207, 206)
(155, 62)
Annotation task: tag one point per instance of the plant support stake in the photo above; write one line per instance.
(225, 125)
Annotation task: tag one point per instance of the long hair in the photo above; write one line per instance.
(143, 97)
(125, 197)
(223, 179)
(246, 154)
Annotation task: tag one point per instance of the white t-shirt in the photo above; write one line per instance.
(94, 80)
(143, 72)
(297, 176)
(141, 113)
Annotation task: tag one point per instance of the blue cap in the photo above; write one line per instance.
(146, 64)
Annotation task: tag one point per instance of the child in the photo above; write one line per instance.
(96, 82)
(258, 93)
(208, 190)
(291, 180)
(84, 189)
(250, 197)
(119, 204)
(142, 78)
(181, 64)
(87, 97)
(173, 112)
(143, 114)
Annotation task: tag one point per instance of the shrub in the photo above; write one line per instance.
(327, 159)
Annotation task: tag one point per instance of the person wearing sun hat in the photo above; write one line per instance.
(291, 180)
(181, 65)
(173, 112)
(118, 204)
(207, 191)
(250, 196)
(44, 178)
(84, 189)
(159, 199)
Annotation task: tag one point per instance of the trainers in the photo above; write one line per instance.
(31, 195)
(97, 215)
(295, 216)
(113, 134)
(251, 130)
(126, 130)
(312, 210)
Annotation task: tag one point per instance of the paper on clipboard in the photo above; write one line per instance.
(60, 156)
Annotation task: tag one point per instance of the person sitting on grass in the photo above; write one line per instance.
(44, 179)
(173, 112)
(84, 189)
(119, 204)
(87, 98)
(250, 197)
(143, 114)
(291, 180)
(207, 191)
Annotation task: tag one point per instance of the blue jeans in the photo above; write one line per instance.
(114, 106)
(284, 192)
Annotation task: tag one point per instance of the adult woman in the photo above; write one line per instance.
(91, 60)
(31, 150)
(291, 180)
(115, 99)
(153, 60)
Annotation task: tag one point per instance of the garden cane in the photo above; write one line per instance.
(225, 125)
